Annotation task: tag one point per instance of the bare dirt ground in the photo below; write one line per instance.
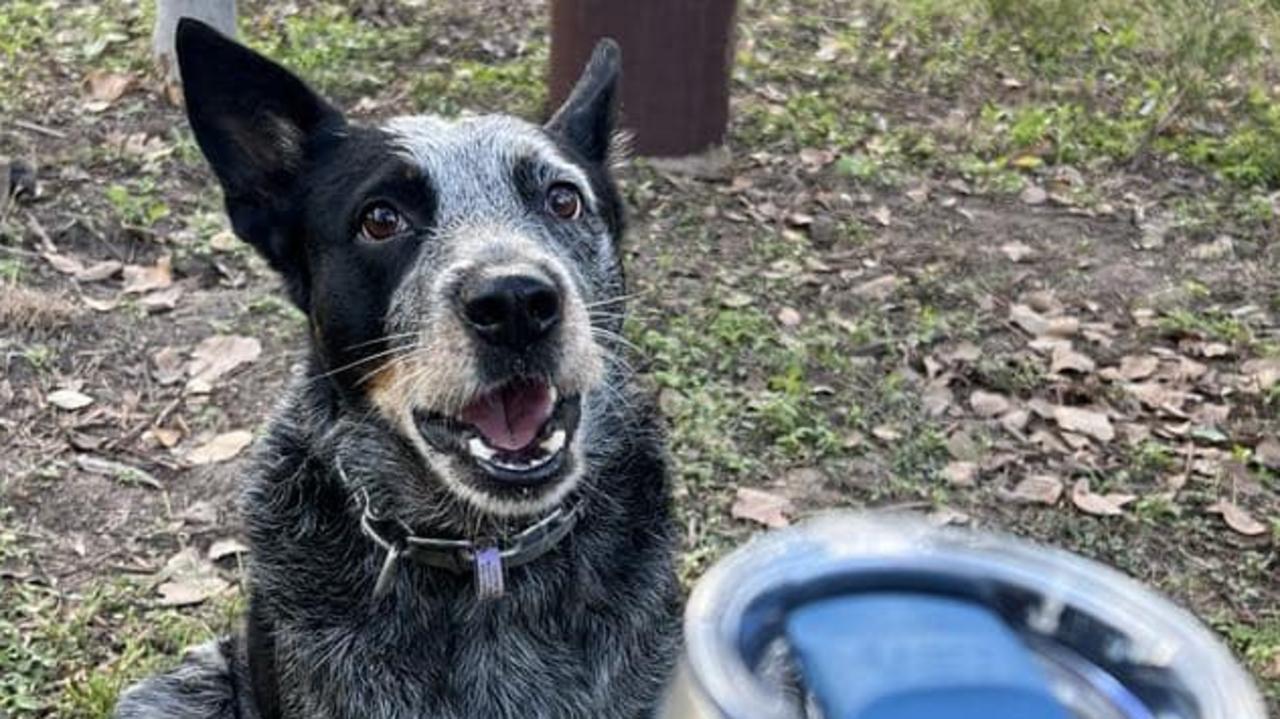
(945, 272)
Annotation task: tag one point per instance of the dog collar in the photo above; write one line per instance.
(488, 559)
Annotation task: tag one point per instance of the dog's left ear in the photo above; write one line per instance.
(586, 119)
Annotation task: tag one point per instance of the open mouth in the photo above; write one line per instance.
(517, 434)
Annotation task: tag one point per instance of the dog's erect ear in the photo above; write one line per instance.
(587, 116)
(256, 123)
(252, 118)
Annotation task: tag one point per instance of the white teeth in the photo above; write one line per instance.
(554, 443)
(478, 448)
(555, 395)
(547, 450)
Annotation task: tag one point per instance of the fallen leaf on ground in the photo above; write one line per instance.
(100, 271)
(1017, 251)
(187, 579)
(168, 366)
(1238, 519)
(100, 305)
(1034, 195)
(1265, 373)
(221, 448)
(162, 300)
(1100, 505)
(886, 433)
(1138, 367)
(216, 356)
(119, 471)
(1029, 320)
(1159, 396)
(882, 215)
(988, 404)
(65, 264)
(960, 474)
(1268, 453)
(763, 507)
(106, 87)
(1038, 489)
(69, 399)
(788, 317)
(226, 548)
(1085, 421)
(878, 289)
(167, 436)
(139, 279)
(1066, 359)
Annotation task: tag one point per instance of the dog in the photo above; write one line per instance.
(462, 509)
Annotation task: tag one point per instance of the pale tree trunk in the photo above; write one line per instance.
(221, 14)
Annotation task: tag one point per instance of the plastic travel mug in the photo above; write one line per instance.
(853, 617)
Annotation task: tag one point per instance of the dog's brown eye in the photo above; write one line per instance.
(564, 201)
(381, 222)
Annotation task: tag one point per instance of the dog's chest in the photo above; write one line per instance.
(512, 662)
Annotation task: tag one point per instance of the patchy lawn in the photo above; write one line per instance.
(1011, 264)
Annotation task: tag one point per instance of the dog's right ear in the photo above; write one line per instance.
(256, 123)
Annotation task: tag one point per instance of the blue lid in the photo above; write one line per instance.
(916, 656)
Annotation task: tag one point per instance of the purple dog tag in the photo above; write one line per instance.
(488, 573)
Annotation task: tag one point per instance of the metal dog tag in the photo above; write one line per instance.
(489, 579)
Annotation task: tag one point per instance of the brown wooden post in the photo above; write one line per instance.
(676, 59)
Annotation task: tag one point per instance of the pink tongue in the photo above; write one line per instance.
(509, 418)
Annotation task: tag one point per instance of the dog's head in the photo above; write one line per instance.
(458, 275)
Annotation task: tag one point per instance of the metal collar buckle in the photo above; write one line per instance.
(487, 560)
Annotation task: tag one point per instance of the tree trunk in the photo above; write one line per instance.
(221, 14)
(676, 57)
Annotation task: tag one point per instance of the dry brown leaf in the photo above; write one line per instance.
(1066, 359)
(788, 317)
(226, 548)
(1085, 421)
(162, 300)
(936, 399)
(168, 366)
(1017, 251)
(766, 508)
(1135, 368)
(1100, 505)
(63, 263)
(1038, 489)
(1159, 396)
(100, 271)
(223, 241)
(105, 87)
(140, 279)
(188, 578)
(1264, 373)
(878, 289)
(960, 474)
(100, 305)
(882, 215)
(1267, 453)
(1029, 320)
(221, 448)
(886, 433)
(1016, 421)
(167, 437)
(1034, 195)
(1238, 519)
(966, 352)
(216, 356)
(69, 399)
(989, 404)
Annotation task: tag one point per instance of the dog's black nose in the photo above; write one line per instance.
(512, 311)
